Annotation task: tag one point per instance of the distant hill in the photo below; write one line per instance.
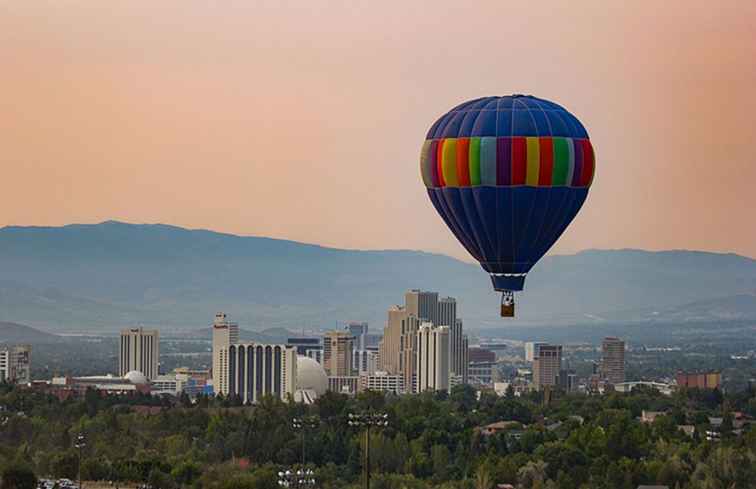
(12, 333)
(114, 274)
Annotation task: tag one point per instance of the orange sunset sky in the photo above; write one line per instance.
(304, 120)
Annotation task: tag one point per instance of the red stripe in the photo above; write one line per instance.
(546, 152)
(439, 161)
(589, 163)
(519, 161)
(463, 165)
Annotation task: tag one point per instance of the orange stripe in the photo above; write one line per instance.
(463, 167)
(547, 162)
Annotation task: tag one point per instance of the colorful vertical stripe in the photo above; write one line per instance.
(504, 161)
(463, 166)
(519, 161)
(488, 161)
(534, 161)
(449, 163)
(474, 159)
(546, 162)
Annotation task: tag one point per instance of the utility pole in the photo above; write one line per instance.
(80, 443)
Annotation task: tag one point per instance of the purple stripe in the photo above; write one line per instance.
(578, 162)
(503, 161)
(432, 154)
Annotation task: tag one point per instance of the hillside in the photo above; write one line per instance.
(109, 275)
(12, 333)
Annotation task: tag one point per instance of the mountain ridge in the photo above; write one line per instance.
(115, 274)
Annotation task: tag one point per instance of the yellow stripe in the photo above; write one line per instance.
(449, 162)
(534, 162)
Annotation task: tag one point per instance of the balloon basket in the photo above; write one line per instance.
(507, 304)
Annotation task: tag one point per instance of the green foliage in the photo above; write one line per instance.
(18, 476)
(431, 441)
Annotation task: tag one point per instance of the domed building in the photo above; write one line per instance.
(312, 381)
(136, 377)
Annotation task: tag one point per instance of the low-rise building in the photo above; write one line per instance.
(383, 382)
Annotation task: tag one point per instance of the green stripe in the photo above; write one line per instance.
(474, 161)
(561, 162)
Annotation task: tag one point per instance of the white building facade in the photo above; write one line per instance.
(225, 334)
(256, 370)
(432, 358)
(139, 351)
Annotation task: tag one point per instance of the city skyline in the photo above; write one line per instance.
(169, 104)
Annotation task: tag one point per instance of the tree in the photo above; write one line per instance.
(18, 477)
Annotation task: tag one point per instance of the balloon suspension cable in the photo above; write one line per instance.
(507, 304)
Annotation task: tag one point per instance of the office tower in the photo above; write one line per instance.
(365, 361)
(256, 370)
(457, 349)
(338, 347)
(568, 380)
(432, 367)
(140, 350)
(4, 366)
(392, 347)
(479, 355)
(308, 347)
(447, 312)
(546, 365)
(423, 305)
(613, 360)
(225, 334)
(531, 350)
(359, 330)
(15, 364)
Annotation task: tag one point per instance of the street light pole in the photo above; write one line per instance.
(80, 443)
(303, 424)
(296, 479)
(368, 420)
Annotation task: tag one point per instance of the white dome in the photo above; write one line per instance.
(136, 377)
(311, 375)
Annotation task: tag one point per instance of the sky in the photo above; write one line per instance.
(304, 120)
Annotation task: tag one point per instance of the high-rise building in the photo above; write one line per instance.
(140, 351)
(15, 364)
(338, 348)
(359, 330)
(531, 350)
(613, 360)
(4, 365)
(397, 347)
(308, 347)
(365, 361)
(256, 370)
(547, 365)
(225, 334)
(432, 368)
(423, 305)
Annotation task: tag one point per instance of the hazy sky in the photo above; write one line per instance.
(305, 120)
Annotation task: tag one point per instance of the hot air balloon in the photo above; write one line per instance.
(507, 175)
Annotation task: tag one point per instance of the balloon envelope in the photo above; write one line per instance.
(507, 175)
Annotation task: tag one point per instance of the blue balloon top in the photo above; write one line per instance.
(511, 115)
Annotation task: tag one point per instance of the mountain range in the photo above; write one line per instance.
(89, 277)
